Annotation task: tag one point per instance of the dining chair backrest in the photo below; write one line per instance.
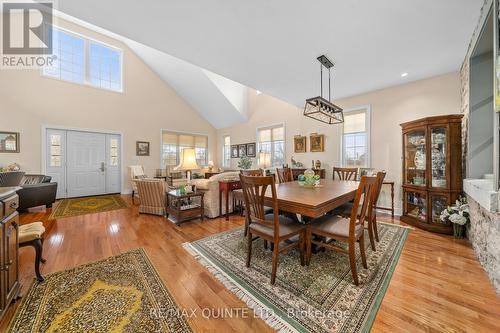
(345, 173)
(254, 191)
(254, 172)
(365, 196)
(380, 181)
(285, 175)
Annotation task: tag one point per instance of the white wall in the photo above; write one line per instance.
(390, 107)
(29, 100)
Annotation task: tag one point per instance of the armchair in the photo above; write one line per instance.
(152, 195)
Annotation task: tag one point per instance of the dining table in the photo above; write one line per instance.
(312, 202)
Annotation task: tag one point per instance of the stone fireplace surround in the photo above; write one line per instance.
(484, 228)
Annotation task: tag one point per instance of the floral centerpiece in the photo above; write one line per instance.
(458, 215)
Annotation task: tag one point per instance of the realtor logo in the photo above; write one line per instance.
(26, 34)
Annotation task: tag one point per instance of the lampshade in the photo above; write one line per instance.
(188, 160)
(210, 163)
(265, 160)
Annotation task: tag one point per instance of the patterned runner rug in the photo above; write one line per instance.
(122, 293)
(87, 205)
(318, 298)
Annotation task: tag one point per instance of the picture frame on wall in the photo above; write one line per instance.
(142, 148)
(242, 150)
(9, 142)
(234, 151)
(300, 144)
(251, 149)
(317, 143)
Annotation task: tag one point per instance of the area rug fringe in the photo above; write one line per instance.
(396, 225)
(259, 309)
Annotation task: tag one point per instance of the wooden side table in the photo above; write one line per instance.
(182, 207)
(227, 186)
(391, 183)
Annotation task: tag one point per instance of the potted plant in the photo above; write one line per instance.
(245, 163)
(458, 215)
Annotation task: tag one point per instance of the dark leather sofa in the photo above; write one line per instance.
(36, 190)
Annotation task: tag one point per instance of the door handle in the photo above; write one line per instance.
(102, 167)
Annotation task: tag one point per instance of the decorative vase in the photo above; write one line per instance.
(458, 230)
(309, 178)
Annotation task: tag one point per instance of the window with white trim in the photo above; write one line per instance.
(355, 150)
(85, 61)
(173, 143)
(272, 140)
(226, 151)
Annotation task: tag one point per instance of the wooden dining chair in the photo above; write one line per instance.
(285, 175)
(350, 231)
(345, 173)
(346, 209)
(273, 227)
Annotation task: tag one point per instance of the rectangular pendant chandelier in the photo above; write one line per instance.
(320, 108)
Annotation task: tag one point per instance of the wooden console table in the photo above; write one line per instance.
(227, 186)
(184, 206)
(296, 172)
(391, 209)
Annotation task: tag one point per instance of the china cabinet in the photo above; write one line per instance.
(432, 170)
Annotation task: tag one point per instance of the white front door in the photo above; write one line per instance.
(56, 159)
(86, 164)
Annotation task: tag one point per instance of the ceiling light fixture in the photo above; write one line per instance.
(404, 74)
(318, 107)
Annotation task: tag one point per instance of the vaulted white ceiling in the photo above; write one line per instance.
(272, 45)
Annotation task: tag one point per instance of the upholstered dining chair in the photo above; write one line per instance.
(285, 175)
(346, 209)
(347, 230)
(152, 194)
(345, 173)
(273, 227)
(136, 173)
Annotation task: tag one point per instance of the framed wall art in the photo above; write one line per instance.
(299, 144)
(251, 149)
(317, 142)
(142, 148)
(234, 151)
(242, 150)
(9, 142)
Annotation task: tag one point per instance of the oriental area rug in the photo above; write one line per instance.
(122, 293)
(87, 205)
(318, 298)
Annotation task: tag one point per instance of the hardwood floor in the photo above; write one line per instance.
(438, 285)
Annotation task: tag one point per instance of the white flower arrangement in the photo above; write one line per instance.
(457, 214)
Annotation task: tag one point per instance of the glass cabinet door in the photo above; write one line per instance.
(416, 205)
(414, 159)
(438, 156)
(438, 204)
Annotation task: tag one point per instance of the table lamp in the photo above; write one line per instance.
(210, 165)
(265, 160)
(188, 162)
